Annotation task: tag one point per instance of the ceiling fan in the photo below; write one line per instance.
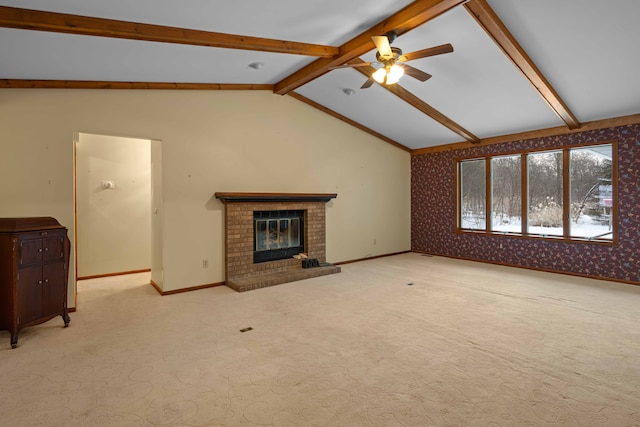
(392, 62)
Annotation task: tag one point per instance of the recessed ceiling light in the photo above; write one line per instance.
(348, 91)
(256, 65)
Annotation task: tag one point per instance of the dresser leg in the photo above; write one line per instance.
(66, 319)
(14, 340)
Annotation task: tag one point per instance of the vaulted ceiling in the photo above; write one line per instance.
(517, 66)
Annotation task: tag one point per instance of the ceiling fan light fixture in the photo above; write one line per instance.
(389, 66)
(395, 72)
(379, 75)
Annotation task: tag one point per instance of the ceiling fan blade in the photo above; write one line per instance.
(432, 51)
(383, 46)
(368, 83)
(360, 64)
(415, 73)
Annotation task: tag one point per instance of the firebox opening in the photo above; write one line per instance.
(277, 234)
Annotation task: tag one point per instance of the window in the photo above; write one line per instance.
(506, 194)
(591, 171)
(473, 194)
(566, 193)
(544, 193)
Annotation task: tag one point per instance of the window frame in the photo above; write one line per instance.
(566, 195)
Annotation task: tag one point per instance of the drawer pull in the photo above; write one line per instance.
(46, 249)
(39, 249)
(46, 280)
(39, 282)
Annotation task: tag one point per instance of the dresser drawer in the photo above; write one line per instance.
(38, 250)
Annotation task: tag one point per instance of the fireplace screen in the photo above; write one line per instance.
(278, 234)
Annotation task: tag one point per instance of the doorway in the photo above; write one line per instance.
(118, 206)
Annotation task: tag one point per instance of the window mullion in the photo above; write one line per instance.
(566, 194)
(488, 190)
(525, 194)
(458, 184)
(614, 188)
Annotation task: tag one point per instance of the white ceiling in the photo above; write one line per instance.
(585, 49)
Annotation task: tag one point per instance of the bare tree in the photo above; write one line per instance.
(473, 192)
(506, 194)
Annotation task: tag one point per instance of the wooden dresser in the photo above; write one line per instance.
(34, 273)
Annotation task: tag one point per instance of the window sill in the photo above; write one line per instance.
(606, 242)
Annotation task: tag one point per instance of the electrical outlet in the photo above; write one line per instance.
(205, 263)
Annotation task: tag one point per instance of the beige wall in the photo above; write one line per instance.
(113, 225)
(211, 141)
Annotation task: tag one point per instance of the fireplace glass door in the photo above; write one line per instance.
(278, 234)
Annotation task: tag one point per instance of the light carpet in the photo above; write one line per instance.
(465, 344)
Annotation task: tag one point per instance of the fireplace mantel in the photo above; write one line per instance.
(274, 197)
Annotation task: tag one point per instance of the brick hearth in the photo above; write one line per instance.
(241, 272)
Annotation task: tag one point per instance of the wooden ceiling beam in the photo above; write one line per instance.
(26, 19)
(495, 28)
(347, 120)
(535, 134)
(422, 106)
(412, 16)
(80, 84)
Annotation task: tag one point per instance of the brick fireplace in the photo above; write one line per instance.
(242, 273)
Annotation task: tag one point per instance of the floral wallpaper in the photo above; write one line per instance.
(433, 213)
